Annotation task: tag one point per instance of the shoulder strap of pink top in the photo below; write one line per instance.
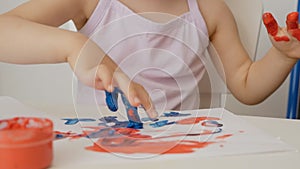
(96, 17)
(195, 11)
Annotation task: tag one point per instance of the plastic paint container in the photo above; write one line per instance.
(26, 143)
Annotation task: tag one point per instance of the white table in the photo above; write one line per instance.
(287, 130)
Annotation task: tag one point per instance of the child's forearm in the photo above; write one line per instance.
(265, 76)
(26, 42)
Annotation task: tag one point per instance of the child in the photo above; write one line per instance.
(150, 54)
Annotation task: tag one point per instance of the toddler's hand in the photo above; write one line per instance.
(285, 39)
(95, 69)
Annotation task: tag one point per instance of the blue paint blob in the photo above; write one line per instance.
(145, 119)
(121, 124)
(59, 136)
(161, 123)
(211, 123)
(72, 121)
(101, 133)
(175, 114)
(217, 130)
(135, 125)
(112, 100)
(109, 119)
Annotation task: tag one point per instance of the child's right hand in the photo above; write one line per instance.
(95, 69)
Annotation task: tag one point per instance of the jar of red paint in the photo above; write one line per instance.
(26, 143)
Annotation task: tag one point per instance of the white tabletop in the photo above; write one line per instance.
(287, 130)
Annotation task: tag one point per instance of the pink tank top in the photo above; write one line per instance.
(164, 57)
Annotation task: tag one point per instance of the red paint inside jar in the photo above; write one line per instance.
(26, 143)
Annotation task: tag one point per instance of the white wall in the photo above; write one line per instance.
(52, 84)
(38, 85)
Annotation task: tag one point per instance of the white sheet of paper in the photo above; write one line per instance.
(245, 139)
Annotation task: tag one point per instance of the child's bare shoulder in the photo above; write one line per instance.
(213, 11)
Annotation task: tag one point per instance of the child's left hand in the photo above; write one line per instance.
(284, 39)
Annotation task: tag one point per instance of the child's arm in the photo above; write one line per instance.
(29, 35)
(250, 82)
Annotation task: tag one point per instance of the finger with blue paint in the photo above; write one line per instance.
(132, 113)
(112, 100)
(112, 103)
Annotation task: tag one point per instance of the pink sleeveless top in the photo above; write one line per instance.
(163, 57)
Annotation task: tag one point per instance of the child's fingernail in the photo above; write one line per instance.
(110, 88)
(153, 115)
(136, 100)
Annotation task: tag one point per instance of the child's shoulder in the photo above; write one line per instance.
(213, 11)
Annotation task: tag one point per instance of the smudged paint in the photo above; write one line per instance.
(72, 121)
(224, 136)
(61, 135)
(175, 114)
(211, 123)
(130, 140)
(161, 123)
(101, 133)
(195, 120)
(131, 146)
(109, 119)
(135, 125)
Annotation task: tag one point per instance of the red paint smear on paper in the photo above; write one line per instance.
(195, 120)
(130, 142)
(224, 136)
(131, 146)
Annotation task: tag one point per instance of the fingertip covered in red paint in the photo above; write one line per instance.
(270, 23)
(292, 20)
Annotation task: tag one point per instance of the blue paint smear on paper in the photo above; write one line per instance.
(135, 125)
(120, 124)
(161, 123)
(211, 123)
(73, 121)
(175, 114)
(102, 133)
